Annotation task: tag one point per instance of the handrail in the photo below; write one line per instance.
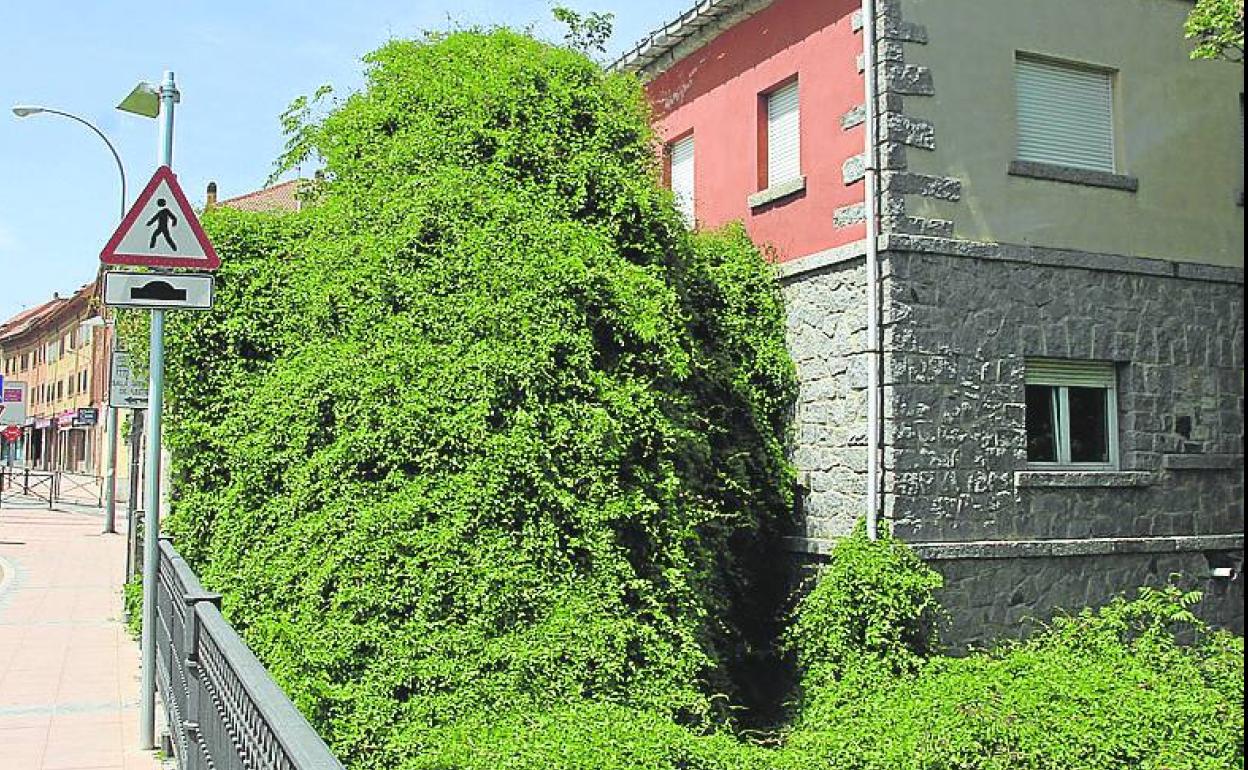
(223, 708)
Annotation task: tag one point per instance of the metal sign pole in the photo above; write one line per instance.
(151, 496)
(110, 470)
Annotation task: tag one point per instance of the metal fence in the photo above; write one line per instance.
(23, 482)
(224, 710)
(79, 488)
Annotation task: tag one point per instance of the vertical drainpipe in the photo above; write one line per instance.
(871, 217)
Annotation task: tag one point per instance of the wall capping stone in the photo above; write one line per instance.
(776, 192)
(1082, 478)
(1030, 549)
(1051, 257)
(1040, 549)
(1089, 178)
(1202, 462)
(793, 268)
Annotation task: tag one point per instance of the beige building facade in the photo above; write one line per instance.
(59, 350)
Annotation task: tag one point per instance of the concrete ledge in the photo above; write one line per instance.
(1083, 176)
(1031, 549)
(1050, 257)
(1194, 462)
(776, 192)
(1085, 479)
(793, 268)
(813, 546)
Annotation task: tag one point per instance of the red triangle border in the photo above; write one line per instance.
(110, 256)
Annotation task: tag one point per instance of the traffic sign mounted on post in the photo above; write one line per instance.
(161, 230)
(12, 402)
(167, 291)
(124, 390)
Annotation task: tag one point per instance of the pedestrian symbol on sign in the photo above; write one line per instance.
(161, 230)
(162, 219)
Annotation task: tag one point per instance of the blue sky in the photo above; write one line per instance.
(239, 63)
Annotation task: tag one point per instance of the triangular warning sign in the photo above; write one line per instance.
(161, 230)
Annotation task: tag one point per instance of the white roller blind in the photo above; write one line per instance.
(784, 151)
(1086, 374)
(1065, 115)
(682, 175)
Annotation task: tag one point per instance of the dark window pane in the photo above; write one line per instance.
(1089, 425)
(1041, 437)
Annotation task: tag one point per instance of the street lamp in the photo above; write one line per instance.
(26, 110)
(110, 414)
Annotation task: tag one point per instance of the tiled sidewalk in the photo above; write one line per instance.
(69, 671)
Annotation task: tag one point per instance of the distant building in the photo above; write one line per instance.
(1059, 370)
(283, 196)
(60, 350)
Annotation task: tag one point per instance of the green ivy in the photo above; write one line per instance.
(485, 429)
(872, 607)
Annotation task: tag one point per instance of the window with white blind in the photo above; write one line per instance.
(1072, 413)
(1065, 114)
(680, 158)
(784, 146)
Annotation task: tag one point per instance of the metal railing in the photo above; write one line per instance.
(80, 488)
(224, 710)
(23, 482)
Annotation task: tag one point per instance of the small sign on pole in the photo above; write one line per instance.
(125, 391)
(168, 291)
(12, 402)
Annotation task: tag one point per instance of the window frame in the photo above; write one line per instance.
(690, 216)
(1062, 383)
(765, 181)
(1111, 76)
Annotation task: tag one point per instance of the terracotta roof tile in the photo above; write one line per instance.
(279, 197)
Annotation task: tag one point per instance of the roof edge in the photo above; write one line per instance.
(685, 34)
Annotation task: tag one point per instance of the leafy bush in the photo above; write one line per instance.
(485, 429)
(598, 736)
(873, 605)
(1103, 690)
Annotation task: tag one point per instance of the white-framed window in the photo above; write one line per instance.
(784, 128)
(681, 172)
(1065, 114)
(1072, 413)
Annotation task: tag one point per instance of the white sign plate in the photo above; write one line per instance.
(125, 391)
(168, 291)
(12, 402)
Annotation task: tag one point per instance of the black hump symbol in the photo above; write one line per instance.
(158, 290)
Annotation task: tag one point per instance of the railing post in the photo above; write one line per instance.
(194, 760)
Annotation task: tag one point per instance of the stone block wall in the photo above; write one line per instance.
(960, 321)
(991, 599)
(957, 333)
(827, 336)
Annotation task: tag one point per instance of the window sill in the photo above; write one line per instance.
(777, 191)
(1088, 177)
(1069, 477)
(1202, 462)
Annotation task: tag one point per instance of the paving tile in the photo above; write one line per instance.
(68, 669)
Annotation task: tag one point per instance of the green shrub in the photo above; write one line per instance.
(1105, 690)
(597, 736)
(485, 429)
(873, 605)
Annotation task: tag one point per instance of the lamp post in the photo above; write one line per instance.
(110, 414)
(26, 110)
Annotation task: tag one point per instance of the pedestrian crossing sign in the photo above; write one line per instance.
(161, 230)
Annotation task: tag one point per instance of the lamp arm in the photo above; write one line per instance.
(120, 168)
